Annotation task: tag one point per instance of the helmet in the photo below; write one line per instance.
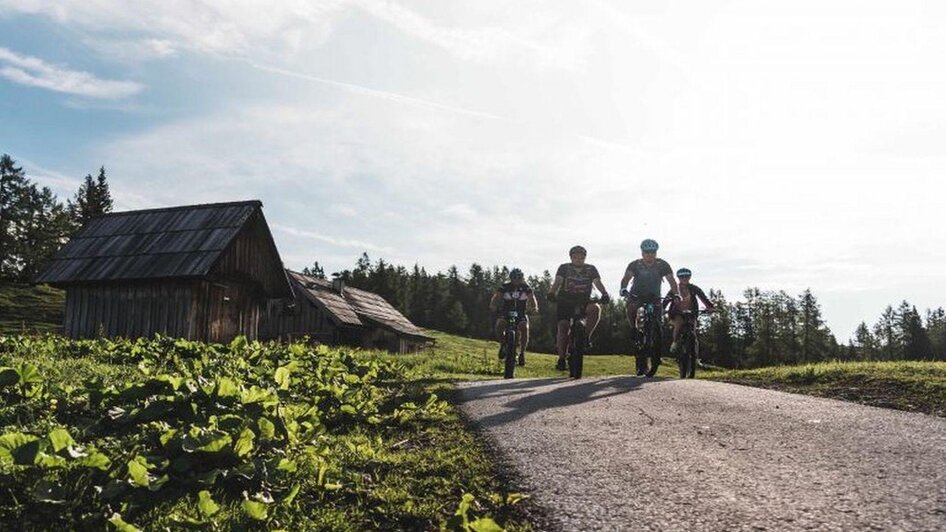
(516, 273)
(649, 246)
(684, 272)
(577, 249)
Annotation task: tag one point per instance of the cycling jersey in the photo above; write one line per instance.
(647, 279)
(515, 297)
(577, 284)
(688, 301)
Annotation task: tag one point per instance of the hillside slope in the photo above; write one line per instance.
(30, 308)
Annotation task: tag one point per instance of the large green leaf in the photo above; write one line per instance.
(95, 460)
(227, 387)
(267, 430)
(283, 377)
(206, 504)
(244, 444)
(120, 524)
(256, 510)
(138, 471)
(28, 374)
(60, 439)
(20, 449)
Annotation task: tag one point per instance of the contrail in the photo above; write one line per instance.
(400, 98)
(394, 97)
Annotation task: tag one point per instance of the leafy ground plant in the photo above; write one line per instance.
(170, 433)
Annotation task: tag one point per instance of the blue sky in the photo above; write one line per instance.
(771, 144)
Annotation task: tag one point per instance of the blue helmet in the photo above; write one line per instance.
(684, 272)
(516, 273)
(649, 246)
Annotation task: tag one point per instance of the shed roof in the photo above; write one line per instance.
(354, 306)
(169, 242)
(319, 292)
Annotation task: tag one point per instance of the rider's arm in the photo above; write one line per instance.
(628, 275)
(706, 302)
(494, 302)
(556, 285)
(600, 286)
(532, 304)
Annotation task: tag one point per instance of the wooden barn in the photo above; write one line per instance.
(201, 272)
(332, 313)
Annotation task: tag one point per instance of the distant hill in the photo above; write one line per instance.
(30, 308)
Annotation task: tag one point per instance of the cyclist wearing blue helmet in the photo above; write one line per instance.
(514, 295)
(689, 294)
(648, 274)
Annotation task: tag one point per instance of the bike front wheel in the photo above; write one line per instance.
(510, 348)
(577, 353)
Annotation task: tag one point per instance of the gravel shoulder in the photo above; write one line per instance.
(621, 453)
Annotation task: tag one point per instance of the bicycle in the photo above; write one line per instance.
(651, 339)
(687, 357)
(511, 341)
(577, 339)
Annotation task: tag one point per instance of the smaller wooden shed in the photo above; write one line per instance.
(201, 272)
(332, 313)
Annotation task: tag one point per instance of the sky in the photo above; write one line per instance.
(782, 145)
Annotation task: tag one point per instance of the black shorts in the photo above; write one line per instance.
(564, 310)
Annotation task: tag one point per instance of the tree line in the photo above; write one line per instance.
(34, 223)
(764, 328)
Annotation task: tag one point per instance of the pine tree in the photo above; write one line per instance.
(93, 199)
(864, 343)
(916, 342)
(314, 271)
(886, 333)
(936, 329)
(13, 195)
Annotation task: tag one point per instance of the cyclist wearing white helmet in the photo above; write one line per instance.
(514, 295)
(571, 289)
(648, 274)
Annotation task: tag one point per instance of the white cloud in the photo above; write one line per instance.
(134, 50)
(34, 72)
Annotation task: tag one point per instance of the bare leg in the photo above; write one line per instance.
(592, 317)
(523, 336)
(562, 338)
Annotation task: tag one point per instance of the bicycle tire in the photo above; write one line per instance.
(691, 348)
(683, 357)
(510, 348)
(576, 358)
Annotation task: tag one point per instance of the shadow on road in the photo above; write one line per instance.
(559, 392)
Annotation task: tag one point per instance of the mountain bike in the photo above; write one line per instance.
(687, 357)
(511, 341)
(651, 337)
(577, 339)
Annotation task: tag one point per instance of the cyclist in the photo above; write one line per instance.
(648, 274)
(572, 289)
(689, 293)
(514, 295)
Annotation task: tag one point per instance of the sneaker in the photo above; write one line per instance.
(652, 371)
(560, 365)
(641, 373)
(522, 358)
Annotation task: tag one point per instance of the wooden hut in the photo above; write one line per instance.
(332, 313)
(201, 272)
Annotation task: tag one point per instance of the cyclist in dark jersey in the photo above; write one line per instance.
(689, 294)
(572, 288)
(515, 294)
(648, 274)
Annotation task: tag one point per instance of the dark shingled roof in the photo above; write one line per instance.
(357, 306)
(372, 307)
(149, 244)
(319, 292)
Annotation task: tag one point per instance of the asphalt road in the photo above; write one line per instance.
(621, 453)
